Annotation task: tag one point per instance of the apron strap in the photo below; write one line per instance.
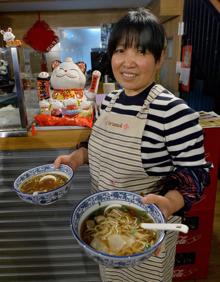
(154, 92)
(113, 100)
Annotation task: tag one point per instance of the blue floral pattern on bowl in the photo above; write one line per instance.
(105, 198)
(44, 198)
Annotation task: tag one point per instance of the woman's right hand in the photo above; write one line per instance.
(74, 160)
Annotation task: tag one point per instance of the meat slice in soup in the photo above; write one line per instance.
(43, 182)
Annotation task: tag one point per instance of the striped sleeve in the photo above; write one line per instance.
(173, 147)
(183, 135)
(172, 137)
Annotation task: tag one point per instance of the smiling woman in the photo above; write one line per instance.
(146, 155)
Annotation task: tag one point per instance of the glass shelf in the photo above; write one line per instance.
(18, 97)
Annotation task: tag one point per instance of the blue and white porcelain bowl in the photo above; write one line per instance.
(105, 198)
(44, 198)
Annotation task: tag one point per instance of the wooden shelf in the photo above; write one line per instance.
(46, 139)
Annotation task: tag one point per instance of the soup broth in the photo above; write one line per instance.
(117, 231)
(43, 183)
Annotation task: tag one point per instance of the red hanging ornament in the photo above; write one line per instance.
(41, 37)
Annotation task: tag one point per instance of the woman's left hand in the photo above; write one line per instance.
(168, 204)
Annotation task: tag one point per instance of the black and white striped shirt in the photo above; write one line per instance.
(172, 136)
(172, 140)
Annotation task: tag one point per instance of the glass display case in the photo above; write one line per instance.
(18, 98)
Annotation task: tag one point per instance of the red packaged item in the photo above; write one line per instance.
(77, 120)
(43, 86)
(95, 81)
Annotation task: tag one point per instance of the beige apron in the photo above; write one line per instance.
(115, 163)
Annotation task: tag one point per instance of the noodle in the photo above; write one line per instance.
(118, 231)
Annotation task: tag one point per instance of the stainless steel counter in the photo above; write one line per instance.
(36, 243)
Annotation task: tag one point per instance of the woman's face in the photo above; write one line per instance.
(133, 69)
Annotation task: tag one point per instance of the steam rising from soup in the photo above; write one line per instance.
(117, 231)
(43, 182)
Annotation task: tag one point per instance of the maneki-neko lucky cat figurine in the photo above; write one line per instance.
(67, 81)
(68, 104)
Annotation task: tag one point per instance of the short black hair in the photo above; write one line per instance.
(140, 29)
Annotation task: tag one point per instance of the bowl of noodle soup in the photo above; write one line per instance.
(112, 236)
(43, 185)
